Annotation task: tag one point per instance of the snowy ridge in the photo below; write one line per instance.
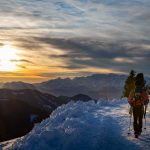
(96, 86)
(86, 126)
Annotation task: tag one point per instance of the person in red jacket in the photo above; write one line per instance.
(138, 98)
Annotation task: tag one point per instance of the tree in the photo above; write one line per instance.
(129, 84)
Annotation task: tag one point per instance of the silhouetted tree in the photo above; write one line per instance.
(129, 83)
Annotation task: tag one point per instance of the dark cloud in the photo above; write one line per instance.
(27, 43)
(59, 56)
(102, 54)
(22, 60)
(22, 66)
(86, 47)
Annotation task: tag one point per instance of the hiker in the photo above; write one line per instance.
(138, 98)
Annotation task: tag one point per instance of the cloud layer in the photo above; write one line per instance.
(73, 38)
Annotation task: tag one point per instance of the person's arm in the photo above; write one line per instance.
(130, 99)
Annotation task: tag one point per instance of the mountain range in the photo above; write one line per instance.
(24, 104)
(96, 86)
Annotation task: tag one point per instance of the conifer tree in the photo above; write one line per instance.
(129, 84)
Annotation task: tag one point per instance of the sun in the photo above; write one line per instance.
(7, 57)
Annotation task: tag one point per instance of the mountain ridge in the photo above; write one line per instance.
(21, 109)
(95, 85)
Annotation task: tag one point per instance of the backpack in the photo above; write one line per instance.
(138, 93)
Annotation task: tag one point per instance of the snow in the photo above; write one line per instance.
(7, 144)
(85, 126)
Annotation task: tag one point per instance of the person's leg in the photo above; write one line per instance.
(135, 124)
(140, 118)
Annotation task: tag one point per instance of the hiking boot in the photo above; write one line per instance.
(136, 135)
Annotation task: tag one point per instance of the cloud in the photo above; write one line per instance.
(106, 19)
(9, 74)
(22, 60)
(70, 37)
(123, 60)
(22, 66)
(83, 53)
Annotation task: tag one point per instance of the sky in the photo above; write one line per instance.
(46, 39)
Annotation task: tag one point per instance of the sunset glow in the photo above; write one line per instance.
(42, 40)
(7, 55)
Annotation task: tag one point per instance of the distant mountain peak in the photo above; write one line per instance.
(18, 85)
(95, 85)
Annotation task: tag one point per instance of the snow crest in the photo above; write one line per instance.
(82, 126)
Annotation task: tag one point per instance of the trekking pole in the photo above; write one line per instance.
(130, 117)
(145, 108)
(145, 124)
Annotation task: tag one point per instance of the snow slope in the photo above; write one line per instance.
(85, 126)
